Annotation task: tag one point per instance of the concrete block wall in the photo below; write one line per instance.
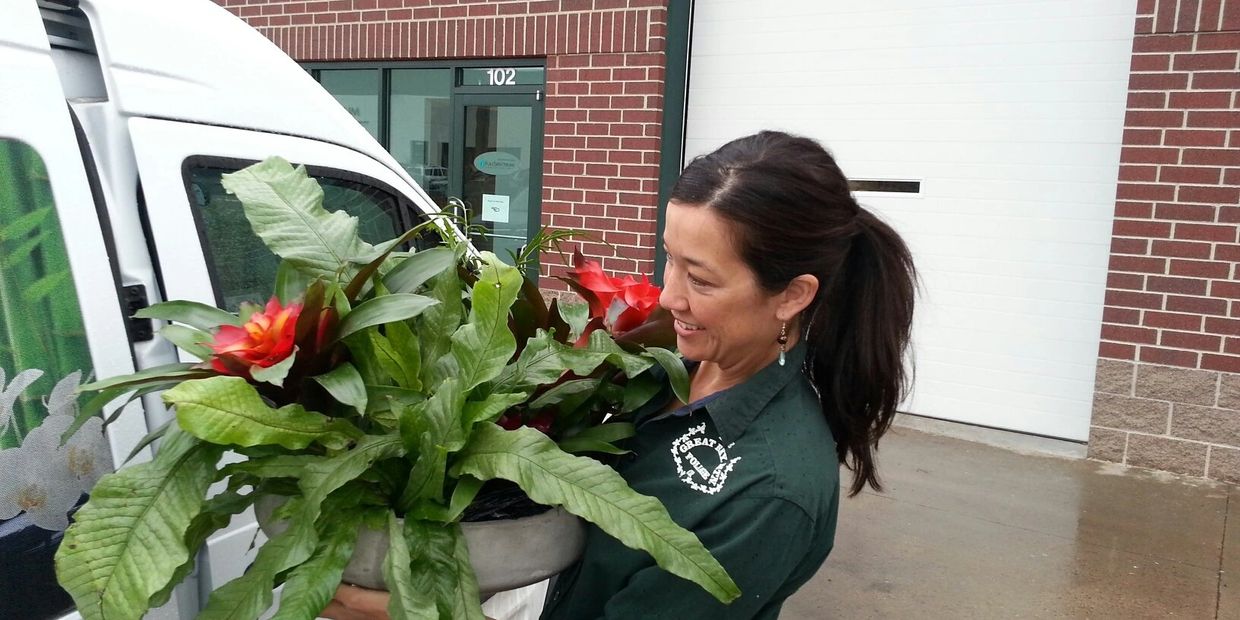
(1167, 392)
(604, 107)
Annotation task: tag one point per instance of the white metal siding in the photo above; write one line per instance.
(1010, 114)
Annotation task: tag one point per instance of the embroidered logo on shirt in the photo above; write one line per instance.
(689, 467)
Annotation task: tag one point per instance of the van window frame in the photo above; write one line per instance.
(407, 210)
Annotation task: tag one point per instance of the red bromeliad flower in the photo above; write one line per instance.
(264, 340)
(616, 304)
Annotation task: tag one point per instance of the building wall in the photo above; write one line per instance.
(1167, 393)
(604, 107)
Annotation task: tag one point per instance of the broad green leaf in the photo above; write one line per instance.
(148, 440)
(568, 395)
(599, 349)
(416, 270)
(227, 410)
(594, 492)
(440, 563)
(182, 371)
(310, 586)
(376, 263)
(579, 445)
(275, 373)
(538, 364)
(285, 208)
(483, 345)
(277, 466)
(489, 408)
(216, 514)
(188, 339)
(677, 374)
(380, 310)
(438, 323)
(192, 313)
(387, 359)
(409, 602)
(128, 539)
(345, 384)
(639, 390)
(432, 429)
(408, 351)
(321, 477)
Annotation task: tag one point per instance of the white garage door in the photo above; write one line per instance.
(1009, 115)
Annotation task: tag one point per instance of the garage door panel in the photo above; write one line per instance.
(1010, 115)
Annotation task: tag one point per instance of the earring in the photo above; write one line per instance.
(783, 342)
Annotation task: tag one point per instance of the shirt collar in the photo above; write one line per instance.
(738, 406)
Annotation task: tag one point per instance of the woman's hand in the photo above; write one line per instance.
(354, 603)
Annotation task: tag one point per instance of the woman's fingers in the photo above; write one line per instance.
(354, 603)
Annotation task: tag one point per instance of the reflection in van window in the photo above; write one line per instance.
(43, 358)
(242, 268)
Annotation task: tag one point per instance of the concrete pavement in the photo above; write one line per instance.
(971, 530)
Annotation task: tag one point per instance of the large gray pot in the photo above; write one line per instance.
(505, 554)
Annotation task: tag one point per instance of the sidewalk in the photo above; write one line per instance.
(969, 530)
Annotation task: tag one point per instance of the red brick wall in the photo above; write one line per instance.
(1173, 295)
(1167, 390)
(605, 68)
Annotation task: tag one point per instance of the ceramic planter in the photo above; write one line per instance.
(506, 553)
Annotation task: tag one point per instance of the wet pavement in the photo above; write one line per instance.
(970, 530)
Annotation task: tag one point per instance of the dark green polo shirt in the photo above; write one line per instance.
(752, 471)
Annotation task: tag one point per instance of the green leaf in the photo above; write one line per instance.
(413, 272)
(188, 339)
(599, 349)
(191, 313)
(539, 364)
(385, 250)
(22, 226)
(569, 395)
(148, 439)
(182, 371)
(247, 596)
(579, 445)
(407, 350)
(639, 390)
(409, 602)
(290, 283)
(285, 208)
(489, 408)
(227, 410)
(483, 345)
(217, 513)
(386, 357)
(440, 564)
(310, 586)
(677, 375)
(380, 310)
(275, 373)
(431, 429)
(577, 315)
(594, 492)
(345, 384)
(127, 540)
(438, 323)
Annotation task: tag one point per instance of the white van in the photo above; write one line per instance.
(116, 119)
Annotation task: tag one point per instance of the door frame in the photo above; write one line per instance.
(456, 151)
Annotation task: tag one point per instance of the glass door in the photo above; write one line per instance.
(497, 170)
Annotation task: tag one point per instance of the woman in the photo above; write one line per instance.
(793, 307)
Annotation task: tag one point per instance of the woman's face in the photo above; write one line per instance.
(722, 314)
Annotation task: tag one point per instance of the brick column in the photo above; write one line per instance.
(604, 107)
(1167, 394)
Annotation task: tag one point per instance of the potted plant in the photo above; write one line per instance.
(379, 389)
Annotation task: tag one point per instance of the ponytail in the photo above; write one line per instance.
(858, 333)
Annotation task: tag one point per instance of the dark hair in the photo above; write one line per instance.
(793, 214)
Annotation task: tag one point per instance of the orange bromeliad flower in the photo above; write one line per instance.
(264, 340)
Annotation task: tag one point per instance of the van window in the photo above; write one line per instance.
(43, 358)
(242, 268)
